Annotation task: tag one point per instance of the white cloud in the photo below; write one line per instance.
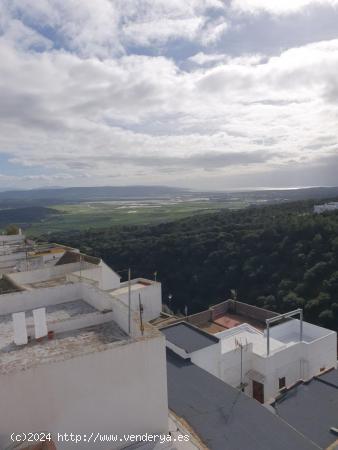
(91, 111)
(216, 58)
(146, 22)
(86, 27)
(161, 30)
(204, 58)
(278, 6)
(103, 28)
(24, 37)
(115, 116)
(213, 31)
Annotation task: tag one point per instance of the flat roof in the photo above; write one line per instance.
(64, 346)
(312, 408)
(133, 287)
(50, 282)
(224, 417)
(188, 337)
(330, 377)
(58, 311)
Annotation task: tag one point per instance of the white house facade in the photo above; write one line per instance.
(243, 358)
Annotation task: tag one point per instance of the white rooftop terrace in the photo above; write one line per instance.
(82, 319)
(65, 345)
(289, 332)
(48, 275)
(148, 291)
(282, 336)
(135, 285)
(29, 256)
(246, 334)
(10, 239)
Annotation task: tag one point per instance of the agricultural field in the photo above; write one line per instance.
(44, 211)
(89, 215)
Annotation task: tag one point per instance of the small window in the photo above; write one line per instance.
(282, 383)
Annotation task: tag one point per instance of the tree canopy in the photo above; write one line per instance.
(279, 257)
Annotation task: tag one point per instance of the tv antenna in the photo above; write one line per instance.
(141, 314)
(242, 347)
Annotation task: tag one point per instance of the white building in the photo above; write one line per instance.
(332, 206)
(73, 360)
(77, 353)
(19, 254)
(11, 239)
(73, 267)
(11, 251)
(260, 363)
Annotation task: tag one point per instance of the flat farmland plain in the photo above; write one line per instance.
(89, 215)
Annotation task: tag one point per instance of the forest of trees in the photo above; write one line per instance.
(280, 257)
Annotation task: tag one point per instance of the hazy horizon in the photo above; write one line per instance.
(239, 189)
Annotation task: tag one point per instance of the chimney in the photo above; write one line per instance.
(20, 329)
(40, 323)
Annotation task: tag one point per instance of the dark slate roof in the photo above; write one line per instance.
(312, 408)
(223, 417)
(188, 337)
(72, 257)
(330, 377)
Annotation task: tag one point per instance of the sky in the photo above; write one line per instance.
(205, 94)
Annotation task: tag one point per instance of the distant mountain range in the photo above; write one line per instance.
(52, 196)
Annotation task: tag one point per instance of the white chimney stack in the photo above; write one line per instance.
(20, 329)
(40, 322)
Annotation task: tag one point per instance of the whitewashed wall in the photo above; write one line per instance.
(95, 297)
(47, 273)
(9, 262)
(119, 390)
(105, 278)
(294, 361)
(208, 359)
(151, 298)
(322, 353)
(52, 256)
(285, 363)
(11, 238)
(83, 321)
(25, 300)
(300, 361)
(109, 278)
(11, 257)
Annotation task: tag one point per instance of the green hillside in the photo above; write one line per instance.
(280, 257)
